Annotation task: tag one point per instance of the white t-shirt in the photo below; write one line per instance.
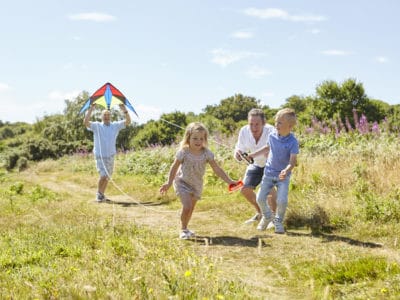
(247, 143)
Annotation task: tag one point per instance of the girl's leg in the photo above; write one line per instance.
(188, 204)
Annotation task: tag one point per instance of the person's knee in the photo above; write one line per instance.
(246, 191)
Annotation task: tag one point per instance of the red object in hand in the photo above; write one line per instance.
(235, 186)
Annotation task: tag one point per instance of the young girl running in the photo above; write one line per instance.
(187, 172)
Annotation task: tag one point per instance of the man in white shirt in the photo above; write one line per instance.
(252, 137)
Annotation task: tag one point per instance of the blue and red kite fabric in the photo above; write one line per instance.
(107, 96)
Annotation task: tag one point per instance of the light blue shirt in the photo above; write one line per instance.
(279, 155)
(105, 137)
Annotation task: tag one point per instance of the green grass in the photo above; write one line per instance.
(54, 249)
(56, 243)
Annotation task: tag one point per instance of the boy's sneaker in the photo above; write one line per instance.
(186, 234)
(253, 219)
(263, 223)
(279, 227)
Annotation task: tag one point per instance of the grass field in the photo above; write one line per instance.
(341, 240)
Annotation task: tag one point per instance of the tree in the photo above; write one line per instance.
(302, 106)
(164, 131)
(232, 110)
(298, 103)
(335, 99)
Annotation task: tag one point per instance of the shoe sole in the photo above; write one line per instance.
(250, 221)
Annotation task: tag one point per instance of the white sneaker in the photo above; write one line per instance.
(186, 234)
(263, 223)
(279, 227)
(270, 225)
(191, 233)
(253, 219)
(100, 197)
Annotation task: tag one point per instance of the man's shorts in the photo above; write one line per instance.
(253, 176)
(105, 166)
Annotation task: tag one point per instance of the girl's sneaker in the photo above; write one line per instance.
(186, 234)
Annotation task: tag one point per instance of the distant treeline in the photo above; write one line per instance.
(53, 136)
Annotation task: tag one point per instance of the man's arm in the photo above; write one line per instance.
(126, 113)
(86, 121)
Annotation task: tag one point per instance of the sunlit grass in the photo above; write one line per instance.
(341, 241)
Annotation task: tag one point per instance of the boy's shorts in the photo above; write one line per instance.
(105, 166)
(253, 176)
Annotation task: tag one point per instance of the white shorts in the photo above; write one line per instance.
(105, 166)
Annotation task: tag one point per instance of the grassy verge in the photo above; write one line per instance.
(341, 241)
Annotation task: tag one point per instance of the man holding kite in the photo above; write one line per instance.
(105, 133)
(105, 136)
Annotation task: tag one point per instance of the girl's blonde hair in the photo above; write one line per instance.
(190, 129)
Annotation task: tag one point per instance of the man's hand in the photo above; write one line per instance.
(238, 155)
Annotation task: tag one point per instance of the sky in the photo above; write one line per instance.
(182, 55)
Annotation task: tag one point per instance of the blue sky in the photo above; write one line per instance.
(182, 55)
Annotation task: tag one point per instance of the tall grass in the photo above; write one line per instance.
(54, 248)
(341, 242)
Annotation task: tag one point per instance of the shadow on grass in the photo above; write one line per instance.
(129, 204)
(326, 238)
(234, 241)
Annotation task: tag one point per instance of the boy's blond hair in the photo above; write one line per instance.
(190, 129)
(288, 114)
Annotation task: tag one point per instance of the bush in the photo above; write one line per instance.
(22, 163)
(11, 160)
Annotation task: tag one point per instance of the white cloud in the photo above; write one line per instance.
(257, 72)
(92, 16)
(335, 52)
(146, 113)
(276, 13)
(382, 59)
(4, 87)
(267, 94)
(315, 31)
(61, 96)
(242, 34)
(224, 57)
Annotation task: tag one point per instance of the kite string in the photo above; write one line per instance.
(176, 125)
(120, 189)
(130, 197)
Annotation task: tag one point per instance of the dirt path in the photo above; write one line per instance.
(240, 249)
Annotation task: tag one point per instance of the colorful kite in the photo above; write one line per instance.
(107, 96)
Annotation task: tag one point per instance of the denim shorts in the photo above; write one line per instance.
(253, 176)
(105, 166)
